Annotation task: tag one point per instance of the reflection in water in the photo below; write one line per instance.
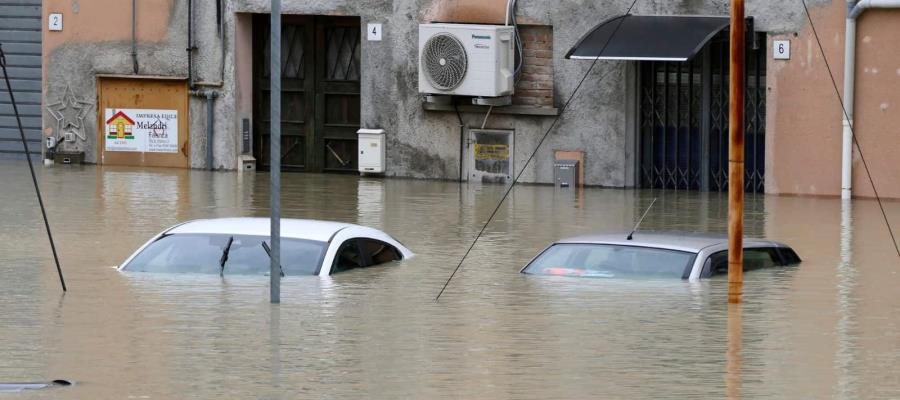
(376, 333)
(733, 358)
(846, 281)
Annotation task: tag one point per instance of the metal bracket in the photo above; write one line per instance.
(492, 101)
(439, 99)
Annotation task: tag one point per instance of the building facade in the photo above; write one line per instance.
(197, 72)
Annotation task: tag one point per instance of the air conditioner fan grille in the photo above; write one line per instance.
(444, 61)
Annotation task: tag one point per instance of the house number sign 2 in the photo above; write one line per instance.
(54, 22)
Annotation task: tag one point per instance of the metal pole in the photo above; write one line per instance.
(275, 153)
(736, 156)
(37, 189)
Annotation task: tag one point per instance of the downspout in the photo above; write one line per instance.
(210, 127)
(847, 117)
(134, 60)
(210, 96)
(854, 10)
(190, 49)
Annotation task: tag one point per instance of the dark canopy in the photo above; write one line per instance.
(648, 37)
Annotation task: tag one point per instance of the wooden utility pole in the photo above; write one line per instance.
(736, 156)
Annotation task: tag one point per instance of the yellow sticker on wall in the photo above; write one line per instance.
(499, 152)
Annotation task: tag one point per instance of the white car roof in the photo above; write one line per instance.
(308, 229)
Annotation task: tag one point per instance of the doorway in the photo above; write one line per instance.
(683, 120)
(320, 109)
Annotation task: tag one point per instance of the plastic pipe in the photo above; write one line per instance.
(847, 117)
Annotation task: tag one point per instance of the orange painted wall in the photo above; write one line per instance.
(104, 21)
(467, 11)
(877, 113)
(804, 128)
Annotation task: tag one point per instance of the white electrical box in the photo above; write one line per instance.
(371, 151)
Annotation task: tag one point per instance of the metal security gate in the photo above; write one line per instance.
(319, 89)
(683, 136)
(20, 34)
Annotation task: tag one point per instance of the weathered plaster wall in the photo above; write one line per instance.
(96, 40)
(425, 144)
(803, 127)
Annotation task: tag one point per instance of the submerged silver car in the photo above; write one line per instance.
(654, 254)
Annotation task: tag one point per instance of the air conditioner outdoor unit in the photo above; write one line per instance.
(466, 60)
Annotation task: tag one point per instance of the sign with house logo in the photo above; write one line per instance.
(142, 130)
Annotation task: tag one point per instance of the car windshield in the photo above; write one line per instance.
(610, 261)
(202, 254)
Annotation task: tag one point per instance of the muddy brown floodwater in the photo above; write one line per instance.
(829, 328)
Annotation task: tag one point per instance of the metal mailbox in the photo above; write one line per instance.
(565, 173)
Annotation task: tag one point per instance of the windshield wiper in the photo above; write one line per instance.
(269, 252)
(224, 258)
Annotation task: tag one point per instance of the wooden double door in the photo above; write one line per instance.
(320, 74)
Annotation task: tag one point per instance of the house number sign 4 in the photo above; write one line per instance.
(374, 32)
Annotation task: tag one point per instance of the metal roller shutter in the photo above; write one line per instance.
(20, 34)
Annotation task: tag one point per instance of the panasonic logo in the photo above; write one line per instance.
(486, 37)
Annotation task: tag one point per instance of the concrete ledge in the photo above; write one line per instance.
(514, 109)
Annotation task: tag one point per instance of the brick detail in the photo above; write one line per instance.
(535, 86)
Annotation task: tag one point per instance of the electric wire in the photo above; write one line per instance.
(37, 189)
(852, 133)
(536, 148)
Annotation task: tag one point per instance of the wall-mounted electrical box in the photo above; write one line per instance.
(371, 151)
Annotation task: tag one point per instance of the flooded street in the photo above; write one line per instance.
(828, 328)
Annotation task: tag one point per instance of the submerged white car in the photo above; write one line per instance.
(241, 246)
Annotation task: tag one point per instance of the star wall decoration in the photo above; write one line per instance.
(69, 112)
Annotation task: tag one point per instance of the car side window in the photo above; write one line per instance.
(378, 252)
(754, 258)
(348, 257)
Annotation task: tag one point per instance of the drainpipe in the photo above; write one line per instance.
(134, 59)
(190, 49)
(210, 96)
(854, 10)
(847, 118)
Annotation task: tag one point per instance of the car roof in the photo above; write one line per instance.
(308, 229)
(672, 240)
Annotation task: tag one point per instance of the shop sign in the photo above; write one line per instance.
(142, 130)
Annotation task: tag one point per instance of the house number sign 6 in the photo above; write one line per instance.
(781, 49)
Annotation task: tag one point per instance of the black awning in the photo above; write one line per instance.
(648, 37)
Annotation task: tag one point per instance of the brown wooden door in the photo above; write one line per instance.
(143, 122)
(319, 95)
(337, 91)
(297, 91)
